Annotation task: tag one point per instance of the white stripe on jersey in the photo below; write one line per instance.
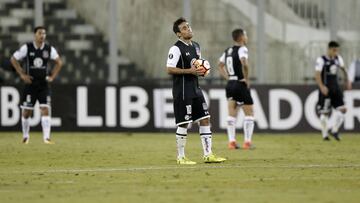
(320, 63)
(23, 51)
(173, 56)
(243, 52)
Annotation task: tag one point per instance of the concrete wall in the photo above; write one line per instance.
(145, 33)
(145, 28)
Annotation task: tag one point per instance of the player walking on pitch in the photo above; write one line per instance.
(330, 93)
(189, 102)
(36, 78)
(234, 67)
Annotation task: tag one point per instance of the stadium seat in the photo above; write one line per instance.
(83, 48)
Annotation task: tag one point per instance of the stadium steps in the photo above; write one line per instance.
(316, 18)
(84, 50)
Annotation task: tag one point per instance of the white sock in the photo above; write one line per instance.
(181, 135)
(324, 125)
(46, 126)
(25, 127)
(231, 128)
(205, 135)
(339, 119)
(248, 128)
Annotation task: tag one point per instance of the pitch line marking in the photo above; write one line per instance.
(178, 167)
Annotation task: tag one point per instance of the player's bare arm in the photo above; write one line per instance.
(56, 70)
(25, 77)
(324, 90)
(245, 67)
(223, 73)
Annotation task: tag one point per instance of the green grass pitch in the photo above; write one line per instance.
(115, 167)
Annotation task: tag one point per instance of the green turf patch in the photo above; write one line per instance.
(115, 167)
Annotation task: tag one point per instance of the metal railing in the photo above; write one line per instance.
(322, 13)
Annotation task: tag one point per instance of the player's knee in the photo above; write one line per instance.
(26, 113)
(248, 110)
(44, 111)
(249, 113)
(232, 112)
(204, 122)
(343, 110)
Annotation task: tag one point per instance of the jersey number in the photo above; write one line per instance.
(229, 65)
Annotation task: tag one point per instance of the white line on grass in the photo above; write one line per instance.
(177, 167)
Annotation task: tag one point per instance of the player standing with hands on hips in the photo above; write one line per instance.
(36, 78)
(234, 67)
(189, 102)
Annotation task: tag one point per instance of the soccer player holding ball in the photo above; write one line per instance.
(234, 67)
(189, 102)
(36, 78)
(202, 66)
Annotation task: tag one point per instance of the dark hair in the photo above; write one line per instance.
(333, 44)
(237, 33)
(39, 28)
(177, 23)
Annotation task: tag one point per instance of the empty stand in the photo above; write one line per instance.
(82, 47)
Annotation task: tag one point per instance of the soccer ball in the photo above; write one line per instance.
(204, 65)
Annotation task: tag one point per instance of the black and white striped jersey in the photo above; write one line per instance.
(180, 56)
(231, 58)
(36, 59)
(329, 69)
